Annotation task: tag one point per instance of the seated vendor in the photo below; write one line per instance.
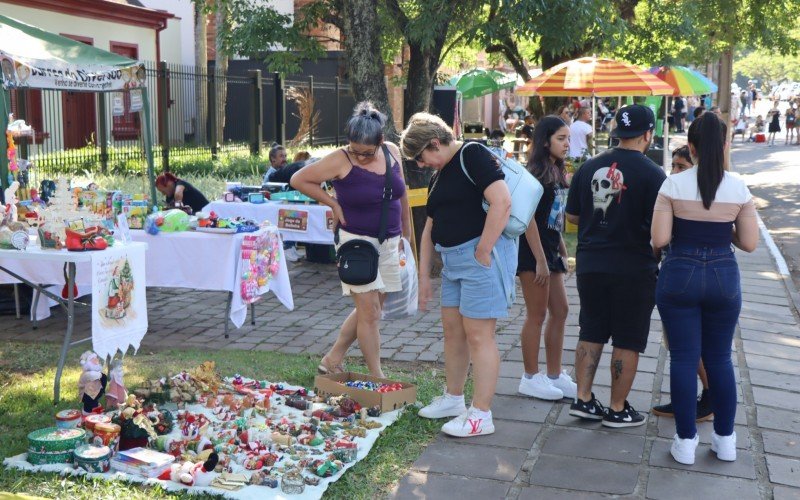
(180, 193)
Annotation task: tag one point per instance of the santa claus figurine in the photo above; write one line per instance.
(191, 473)
(115, 393)
(92, 383)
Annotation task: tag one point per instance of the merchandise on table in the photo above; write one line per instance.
(107, 435)
(260, 264)
(293, 197)
(368, 385)
(68, 419)
(170, 221)
(212, 223)
(142, 462)
(93, 458)
(385, 401)
(90, 421)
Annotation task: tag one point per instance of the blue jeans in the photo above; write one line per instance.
(699, 297)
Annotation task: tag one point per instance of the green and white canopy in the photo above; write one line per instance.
(35, 58)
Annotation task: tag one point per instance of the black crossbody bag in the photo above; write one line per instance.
(357, 260)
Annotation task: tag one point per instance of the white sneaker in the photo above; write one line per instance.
(540, 386)
(291, 254)
(567, 386)
(443, 406)
(724, 446)
(683, 450)
(469, 425)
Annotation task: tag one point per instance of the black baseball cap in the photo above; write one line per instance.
(633, 121)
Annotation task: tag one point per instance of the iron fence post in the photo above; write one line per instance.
(163, 110)
(280, 110)
(212, 111)
(336, 127)
(311, 115)
(256, 114)
(102, 131)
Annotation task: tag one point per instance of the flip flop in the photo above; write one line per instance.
(323, 369)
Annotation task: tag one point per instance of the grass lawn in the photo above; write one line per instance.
(26, 391)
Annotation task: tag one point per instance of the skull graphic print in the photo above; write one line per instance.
(608, 183)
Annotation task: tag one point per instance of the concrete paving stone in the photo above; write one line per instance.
(785, 493)
(760, 325)
(775, 318)
(567, 357)
(404, 356)
(418, 486)
(779, 399)
(773, 364)
(513, 355)
(784, 338)
(666, 429)
(781, 443)
(601, 445)
(511, 369)
(507, 386)
(597, 476)
(568, 421)
(413, 348)
(775, 380)
(780, 420)
(521, 408)
(430, 357)
(447, 457)
(768, 310)
(537, 492)
(671, 484)
(705, 461)
(784, 470)
(777, 299)
(774, 350)
(507, 434)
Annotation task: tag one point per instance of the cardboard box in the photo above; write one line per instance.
(333, 385)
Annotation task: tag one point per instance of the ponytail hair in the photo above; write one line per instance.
(707, 135)
(165, 178)
(366, 125)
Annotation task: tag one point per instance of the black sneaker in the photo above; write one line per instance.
(704, 411)
(628, 417)
(664, 410)
(589, 410)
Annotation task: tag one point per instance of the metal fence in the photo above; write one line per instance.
(197, 116)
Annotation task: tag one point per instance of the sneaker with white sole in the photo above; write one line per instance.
(540, 386)
(444, 406)
(724, 446)
(627, 417)
(291, 254)
(469, 425)
(587, 410)
(683, 450)
(567, 386)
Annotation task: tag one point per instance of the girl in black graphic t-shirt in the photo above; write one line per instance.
(542, 264)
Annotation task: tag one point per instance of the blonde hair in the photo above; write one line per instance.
(421, 130)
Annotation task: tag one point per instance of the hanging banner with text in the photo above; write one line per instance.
(54, 74)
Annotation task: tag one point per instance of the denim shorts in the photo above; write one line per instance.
(479, 292)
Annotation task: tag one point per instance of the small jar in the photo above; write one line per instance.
(68, 419)
(90, 421)
(107, 434)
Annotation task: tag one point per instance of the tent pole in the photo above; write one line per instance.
(3, 143)
(594, 123)
(148, 144)
(665, 134)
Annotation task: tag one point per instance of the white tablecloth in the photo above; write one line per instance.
(205, 261)
(317, 220)
(47, 267)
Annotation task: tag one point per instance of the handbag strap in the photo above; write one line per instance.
(387, 197)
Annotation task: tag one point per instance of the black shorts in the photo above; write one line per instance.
(616, 307)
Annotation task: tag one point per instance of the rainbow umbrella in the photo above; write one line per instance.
(595, 76)
(685, 81)
(479, 82)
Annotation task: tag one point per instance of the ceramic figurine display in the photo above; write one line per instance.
(62, 208)
(92, 382)
(12, 232)
(115, 392)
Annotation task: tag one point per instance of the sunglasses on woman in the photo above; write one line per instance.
(359, 154)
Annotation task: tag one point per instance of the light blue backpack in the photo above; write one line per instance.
(525, 191)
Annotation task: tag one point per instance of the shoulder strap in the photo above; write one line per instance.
(387, 196)
(461, 158)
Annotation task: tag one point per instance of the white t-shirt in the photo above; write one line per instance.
(577, 138)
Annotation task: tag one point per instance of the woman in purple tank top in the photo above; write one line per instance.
(358, 175)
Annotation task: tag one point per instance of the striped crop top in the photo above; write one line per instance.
(692, 223)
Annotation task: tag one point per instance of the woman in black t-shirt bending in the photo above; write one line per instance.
(180, 193)
(479, 265)
(542, 265)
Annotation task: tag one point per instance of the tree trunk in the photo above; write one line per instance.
(724, 95)
(201, 70)
(221, 67)
(361, 32)
(422, 67)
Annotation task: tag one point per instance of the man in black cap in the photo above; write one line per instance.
(611, 199)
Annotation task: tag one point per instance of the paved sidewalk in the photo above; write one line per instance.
(539, 451)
